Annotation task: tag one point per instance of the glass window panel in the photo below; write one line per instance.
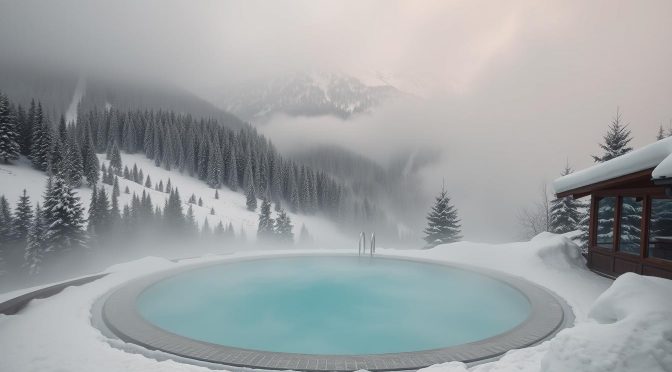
(605, 222)
(630, 238)
(660, 231)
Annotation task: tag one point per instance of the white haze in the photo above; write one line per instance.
(511, 90)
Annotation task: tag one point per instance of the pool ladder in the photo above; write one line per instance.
(361, 249)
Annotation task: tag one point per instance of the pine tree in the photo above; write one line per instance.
(148, 182)
(305, 239)
(283, 228)
(216, 195)
(6, 222)
(615, 141)
(206, 232)
(41, 141)
(214, 167)
(190, 221)
(94, 217)
(200, 202)
(9, 134)
(230, 232)
(26, 128)
(90, 164)
(212, 211)
(115, 212)
(203, 159)
(115, 187)
(63, 214)
(115, 159)
(661, 133)
(172, 212)
(294, 202)
(250, 197)
(36, 247)
(443, 224)
(219, 230)
(23, 218)
(73, 163)
(566, 213)
(265, 230)
(233, 171)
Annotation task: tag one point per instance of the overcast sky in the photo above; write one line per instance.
(510, 89)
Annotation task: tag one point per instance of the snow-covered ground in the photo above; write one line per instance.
(621, 326)
(230, 207)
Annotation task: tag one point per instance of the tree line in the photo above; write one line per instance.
(241, 160)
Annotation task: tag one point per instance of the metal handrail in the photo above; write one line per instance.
(372, 249)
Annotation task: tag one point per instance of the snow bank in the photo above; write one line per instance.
(657, 155)
(56, 334)
(630, 330)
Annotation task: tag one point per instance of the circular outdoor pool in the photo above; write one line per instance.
(377, 313)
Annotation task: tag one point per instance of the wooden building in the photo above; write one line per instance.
(630, 211)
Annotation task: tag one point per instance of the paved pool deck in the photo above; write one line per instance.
(548, 314)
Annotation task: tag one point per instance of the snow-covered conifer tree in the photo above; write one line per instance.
(36, 246)
(63, 214)
(615, 141)
(283, 228)
(90, 164)
(206, 232)
(6, 222)
(305, 239)
(9, 134)
(566, 213)
(443, 224)
(115, 159)
(250, 194)
(219, 230)
(23, 218)
(190, 221)
(232, 177)
(41, 141)
(265, 230)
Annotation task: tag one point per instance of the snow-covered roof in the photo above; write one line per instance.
(657, 155)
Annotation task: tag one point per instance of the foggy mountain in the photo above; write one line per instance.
(57, 89)
(303, 94)
(394, 187)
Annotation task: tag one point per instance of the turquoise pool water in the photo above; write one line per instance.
(333, 305)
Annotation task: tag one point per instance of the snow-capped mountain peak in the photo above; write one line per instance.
(304, 94)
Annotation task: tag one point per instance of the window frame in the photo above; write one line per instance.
(646, 193)
(649, 210)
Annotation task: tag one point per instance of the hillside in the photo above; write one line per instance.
(230, 207)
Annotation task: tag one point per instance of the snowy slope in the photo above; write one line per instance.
(230, 207)
(621, 326)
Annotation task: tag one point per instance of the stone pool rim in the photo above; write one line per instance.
(548, 314)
